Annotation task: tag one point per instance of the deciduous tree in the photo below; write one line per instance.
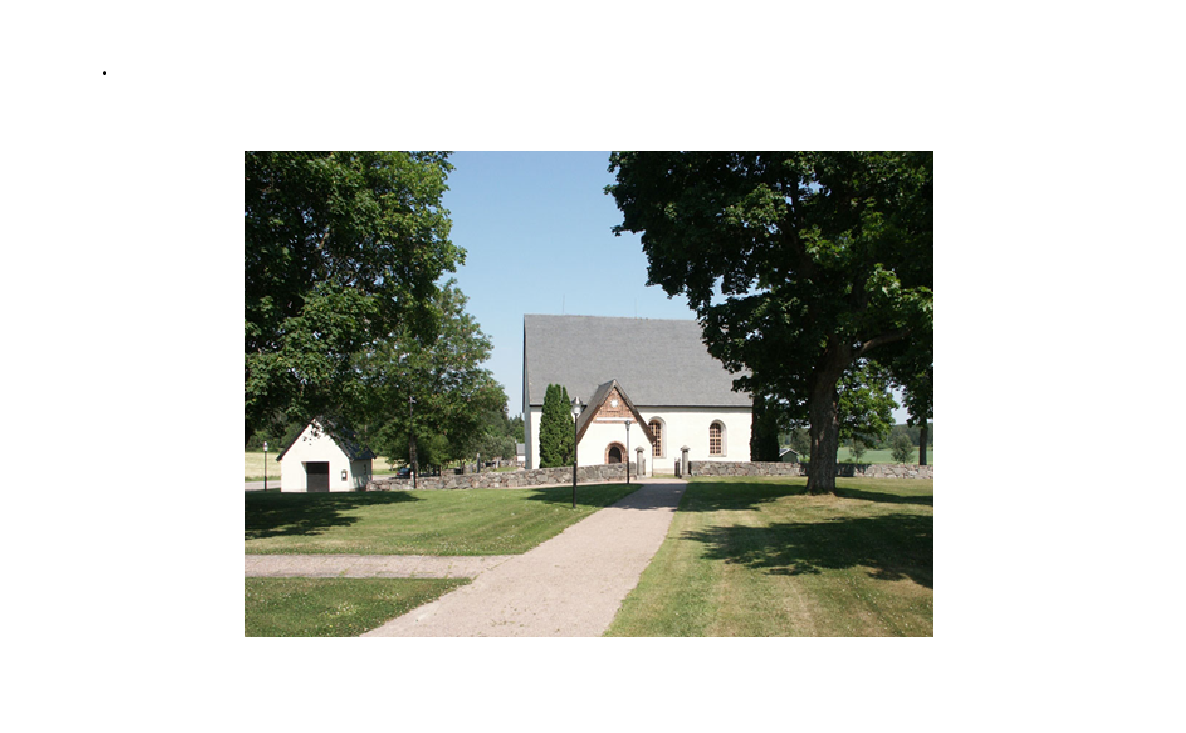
(443, 372)
(342, 249)
(822, 259)
(901, 448)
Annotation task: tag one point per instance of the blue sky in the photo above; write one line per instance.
(536, 228)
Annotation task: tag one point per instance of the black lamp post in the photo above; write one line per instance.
(576, 412)
(411, 442)
(265, 465)
(628, 423)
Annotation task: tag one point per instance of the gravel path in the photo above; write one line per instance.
(571, 585)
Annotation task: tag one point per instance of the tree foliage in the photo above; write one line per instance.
(865, 403)
(901, 448)
(454, 396)
(341, 250)
(858, 449)
(555, 428)
(763, 442)
(820, 260)
(496, 438)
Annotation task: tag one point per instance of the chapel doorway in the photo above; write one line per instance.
(614, 453)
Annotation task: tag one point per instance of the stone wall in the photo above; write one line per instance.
(740, 468)
(756, 468)
(503, 479)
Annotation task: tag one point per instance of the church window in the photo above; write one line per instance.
(657, 431)
(715, 432)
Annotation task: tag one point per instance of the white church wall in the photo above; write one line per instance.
(689, 426)
(531, 434)
(600, 435)
(682, 426)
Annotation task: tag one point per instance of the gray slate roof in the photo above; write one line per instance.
(661, 363)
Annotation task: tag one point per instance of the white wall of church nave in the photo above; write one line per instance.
(689, 426)
(531, 434)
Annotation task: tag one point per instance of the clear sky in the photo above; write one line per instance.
(536, 228)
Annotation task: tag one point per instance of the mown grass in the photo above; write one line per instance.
(459, 522)
(759, 557)
(334, 606)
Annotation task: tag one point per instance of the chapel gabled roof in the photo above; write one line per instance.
(343, 436)
(596, 402)
(665, 362)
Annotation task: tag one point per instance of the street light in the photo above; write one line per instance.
(576, 412)
(411, 441)
(628, 423)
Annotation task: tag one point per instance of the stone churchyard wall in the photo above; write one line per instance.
(772, 468)
(503, 479)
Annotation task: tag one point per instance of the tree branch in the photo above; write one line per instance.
(885, 338)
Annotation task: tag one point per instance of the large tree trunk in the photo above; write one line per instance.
(824, 410)
(922, 445)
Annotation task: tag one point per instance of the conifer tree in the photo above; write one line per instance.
(552, 429)
(566, 434)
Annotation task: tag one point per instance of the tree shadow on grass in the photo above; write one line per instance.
(294, 515)
(891, 546)
(711, 496)
(886, 497)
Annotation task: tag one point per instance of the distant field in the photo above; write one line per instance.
(253, 465)
(884, 456)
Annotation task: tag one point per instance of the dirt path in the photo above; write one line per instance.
(571, 585)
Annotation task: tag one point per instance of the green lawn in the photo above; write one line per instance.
(459, 522)
(334, 606)
(758, 557)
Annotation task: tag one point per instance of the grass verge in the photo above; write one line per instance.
(460, 522)
(334, 606)
(759, 557)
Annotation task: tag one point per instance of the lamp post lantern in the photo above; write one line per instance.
(628, 423)
(576, 412)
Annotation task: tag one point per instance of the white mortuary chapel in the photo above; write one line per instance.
(655, 375)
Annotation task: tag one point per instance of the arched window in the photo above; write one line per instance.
(657, 430)
(716, 438)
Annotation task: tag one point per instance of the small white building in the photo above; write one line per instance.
(656, 373)
(320, 461)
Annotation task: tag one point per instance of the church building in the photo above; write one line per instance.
(644, 383)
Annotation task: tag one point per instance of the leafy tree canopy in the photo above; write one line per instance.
(454, 396)
(798, 265)
(342, 250)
